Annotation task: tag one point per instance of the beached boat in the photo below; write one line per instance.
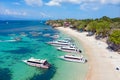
(37, 63)
(73, 58)
(59, 43)
(70, 48)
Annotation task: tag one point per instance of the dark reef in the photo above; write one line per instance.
(47, 75)
(5, 74)
(20, 50)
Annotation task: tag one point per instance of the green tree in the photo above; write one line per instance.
(103, 28)
(115, 37)
(117, 19)
(92, 26)
(82, 26)
(76, 23)
(105, 18)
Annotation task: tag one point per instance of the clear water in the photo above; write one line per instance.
(12, 54)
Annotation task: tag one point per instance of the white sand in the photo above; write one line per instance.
(102, 62)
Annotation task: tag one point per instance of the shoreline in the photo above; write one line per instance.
(101, 61)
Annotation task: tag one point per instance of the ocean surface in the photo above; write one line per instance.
(12, 53)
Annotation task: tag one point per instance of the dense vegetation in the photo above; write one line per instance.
(104, 28)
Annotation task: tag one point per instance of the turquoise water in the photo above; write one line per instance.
(12, 54)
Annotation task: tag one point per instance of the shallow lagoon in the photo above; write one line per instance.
(11, 54)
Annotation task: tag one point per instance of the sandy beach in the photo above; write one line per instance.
(102, 62)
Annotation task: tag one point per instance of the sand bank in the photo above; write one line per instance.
(102, 62)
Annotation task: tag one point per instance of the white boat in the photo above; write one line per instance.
(63, 40)
(68, 39)
(46, 35)
(73, 58)
(37, 63)
(35, 34)
(55, 36)
(59, 43)
(18, 38)
(69, 49)
(23, 34)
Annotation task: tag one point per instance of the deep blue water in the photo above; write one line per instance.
(7, 27)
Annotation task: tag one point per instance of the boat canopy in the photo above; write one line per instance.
(36, 60)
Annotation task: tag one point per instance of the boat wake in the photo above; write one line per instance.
(7, 40)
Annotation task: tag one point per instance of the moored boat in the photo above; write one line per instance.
(69, 49)
(23, 34)
(59, 43)
(34, 34)
(37, 63)
(55, 36)
(68, 39)
(73, 58)
(17, 38)
(46, 35)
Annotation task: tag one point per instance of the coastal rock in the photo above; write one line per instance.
(113, 46)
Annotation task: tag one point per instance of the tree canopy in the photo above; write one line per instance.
(115, 37)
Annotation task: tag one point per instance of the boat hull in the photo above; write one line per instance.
(70, 51)
(36, 65)
(59, 45)
(73, 60)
